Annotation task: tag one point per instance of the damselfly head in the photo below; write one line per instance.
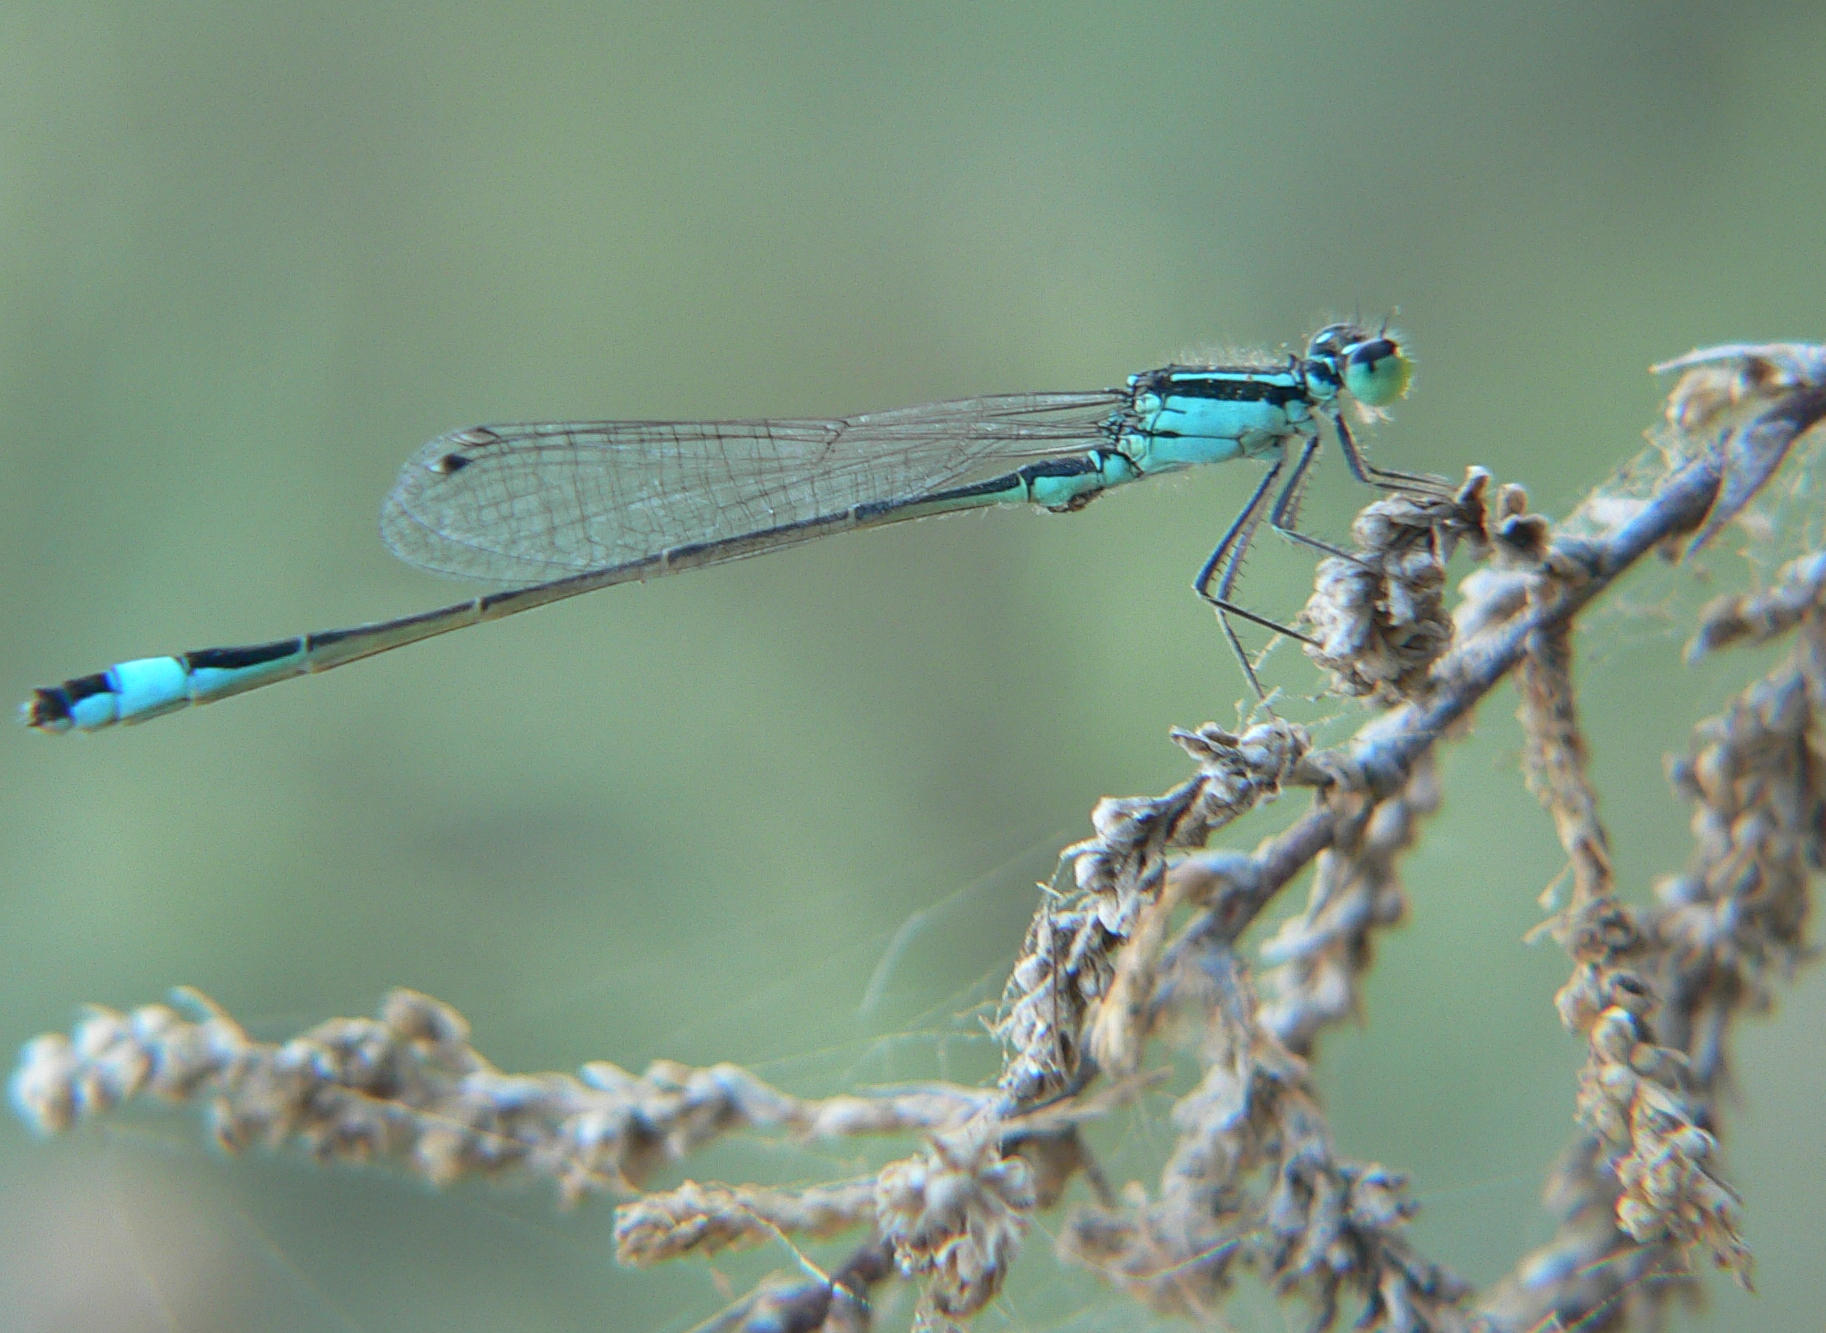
(1370, 367)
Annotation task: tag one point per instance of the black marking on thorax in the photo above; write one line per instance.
(1220, 386)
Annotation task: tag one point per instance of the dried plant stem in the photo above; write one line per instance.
(1379, 759)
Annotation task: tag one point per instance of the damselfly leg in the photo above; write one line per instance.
(1218, 576)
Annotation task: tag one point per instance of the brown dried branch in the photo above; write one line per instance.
(1319, 958)
(1065, 967)
(695, 1218)
(833, 1303)
(407, 1087)
(1253, 1183)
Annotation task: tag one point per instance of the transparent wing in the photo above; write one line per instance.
(520, 503)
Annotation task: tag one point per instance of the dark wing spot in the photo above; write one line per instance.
(445, 464)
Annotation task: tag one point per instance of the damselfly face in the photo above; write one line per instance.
(1370, 367)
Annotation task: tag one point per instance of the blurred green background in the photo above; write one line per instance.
(790, 812)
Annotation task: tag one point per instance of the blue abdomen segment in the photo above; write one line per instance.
(1057, 483)
(149, 687)
(1074, 483)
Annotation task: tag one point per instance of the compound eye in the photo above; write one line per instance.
(1331, 341)
(1376, 372)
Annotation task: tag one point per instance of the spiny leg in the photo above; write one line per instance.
(1284, 517)
(1285, 514)
(1222, 567)
(1388, 479)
